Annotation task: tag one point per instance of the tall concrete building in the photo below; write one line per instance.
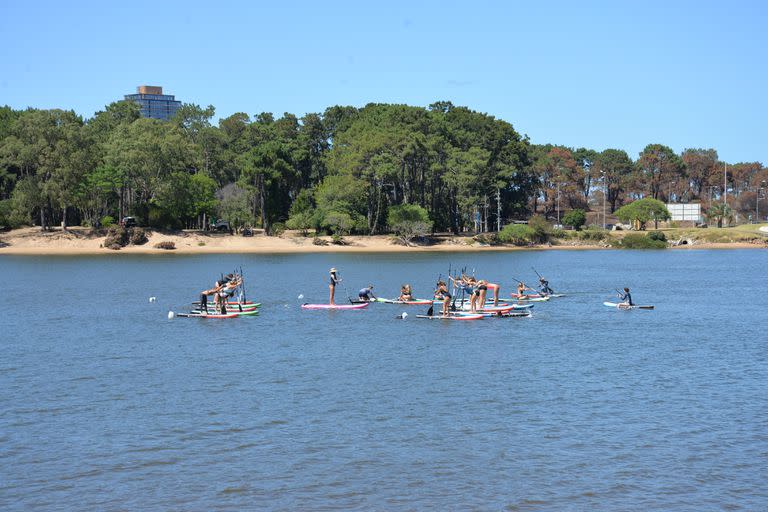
(154, 103)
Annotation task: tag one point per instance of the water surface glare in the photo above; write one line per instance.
(105, 404)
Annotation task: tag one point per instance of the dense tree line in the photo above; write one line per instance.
(341, 171)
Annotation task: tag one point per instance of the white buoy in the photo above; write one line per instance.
(301, 296)
(405, 315)
(171, 315)
(152, 299)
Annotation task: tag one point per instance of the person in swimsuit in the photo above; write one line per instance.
(227, 290)
(335, 279)
(366, 294)
(496, 289)
(442, 293)
(521, 287)
(482, 291)
(405, 293)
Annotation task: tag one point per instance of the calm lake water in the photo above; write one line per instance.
(106, 404)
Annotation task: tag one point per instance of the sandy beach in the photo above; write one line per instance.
(81, 241)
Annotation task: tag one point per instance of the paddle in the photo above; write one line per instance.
(242, 279)
(341, 280)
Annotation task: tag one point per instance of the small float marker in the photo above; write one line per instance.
(402, 316)
(301, 296)
(171, 315)
(152, 299)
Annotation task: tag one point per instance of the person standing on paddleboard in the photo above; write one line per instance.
(366, 293)
(335, 279)
(626, 298)
(496, 289)
(442, 293)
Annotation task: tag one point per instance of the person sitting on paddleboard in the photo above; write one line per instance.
(626, 298)
(521, 287)
(405, 293)
(366, 293)
(544, 288)
(335, 279)
(442, 293)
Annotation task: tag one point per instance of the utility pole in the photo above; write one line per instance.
(605, 193)
(725, 185)
(558, 203)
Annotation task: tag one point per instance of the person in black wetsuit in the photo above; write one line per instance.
(366, 293)
(626, 298)
(335, 279)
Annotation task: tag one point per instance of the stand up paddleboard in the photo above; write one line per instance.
(334, 306)
(625, 306)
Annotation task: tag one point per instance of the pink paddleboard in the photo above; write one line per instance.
(334, 306)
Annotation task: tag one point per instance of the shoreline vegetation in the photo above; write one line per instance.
(84, 241)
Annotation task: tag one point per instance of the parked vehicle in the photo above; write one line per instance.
(128, 222)
(221, 226)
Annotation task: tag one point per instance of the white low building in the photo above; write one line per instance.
(685, 212)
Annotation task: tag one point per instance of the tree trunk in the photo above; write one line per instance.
(263, 204)
(64, 218)
(42, 218)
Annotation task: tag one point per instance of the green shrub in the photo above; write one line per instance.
(518, 234)
(486, 238)
(575, 218)
(541, 227)
(592, 234)
(640, 241)
(657, 235)
(107, 221)
(167, 245)
(409, 221)
(277, 229)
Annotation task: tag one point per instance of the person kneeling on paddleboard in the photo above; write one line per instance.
(626, 298)
(366, 293)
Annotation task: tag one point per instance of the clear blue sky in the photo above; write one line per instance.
(592, 74)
